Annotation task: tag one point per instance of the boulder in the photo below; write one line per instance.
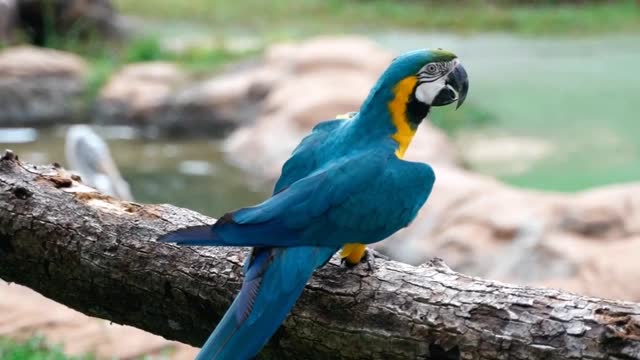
(160, 98)
(137, 93)
(330, 52)
(214, 107)
(40, 86)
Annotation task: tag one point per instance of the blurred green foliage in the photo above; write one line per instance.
(100, 71)
(33, 349)
(194, 59)
(310, 16)
(36, 348)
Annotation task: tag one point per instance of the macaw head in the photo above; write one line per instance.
(436, 76)
(413, 83)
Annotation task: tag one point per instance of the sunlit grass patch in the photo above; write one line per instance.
(34, 349)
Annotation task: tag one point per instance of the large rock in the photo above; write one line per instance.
(137, 93)
(213, 107)
(40, 87)
(328, 52)
(160, 98)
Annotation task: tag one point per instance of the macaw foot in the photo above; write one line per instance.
(369, 258)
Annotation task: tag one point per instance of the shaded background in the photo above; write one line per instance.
(201, 101)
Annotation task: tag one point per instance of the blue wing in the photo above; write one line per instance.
(364, 198)
(302, 162)
(304, 159)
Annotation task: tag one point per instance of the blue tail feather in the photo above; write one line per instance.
(262, 304)
(229, 233)
(193, 235)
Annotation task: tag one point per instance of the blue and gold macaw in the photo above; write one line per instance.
(345, 185)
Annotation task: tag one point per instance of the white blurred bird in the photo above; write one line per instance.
(88, 155)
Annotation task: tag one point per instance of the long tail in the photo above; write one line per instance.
(274, 279)
(230, 340)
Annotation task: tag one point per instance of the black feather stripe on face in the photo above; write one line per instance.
(416, 110)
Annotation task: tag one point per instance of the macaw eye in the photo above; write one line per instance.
(432, 72)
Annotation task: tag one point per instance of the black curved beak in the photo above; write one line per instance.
(459, 81)
(457, 86)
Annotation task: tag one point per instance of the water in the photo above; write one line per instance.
(189, 174)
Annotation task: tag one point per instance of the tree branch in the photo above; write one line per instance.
(98, 255)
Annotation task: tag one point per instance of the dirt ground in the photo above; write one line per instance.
(25, 313)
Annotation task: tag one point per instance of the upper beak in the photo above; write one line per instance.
(459, 81)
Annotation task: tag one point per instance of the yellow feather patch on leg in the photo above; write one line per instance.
(353, 253)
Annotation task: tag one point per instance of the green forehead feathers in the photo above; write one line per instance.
(439, 55)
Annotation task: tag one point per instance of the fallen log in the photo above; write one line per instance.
(98, 255)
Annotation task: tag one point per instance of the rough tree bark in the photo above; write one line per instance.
(98, 255)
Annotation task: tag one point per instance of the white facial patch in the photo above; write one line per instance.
(433, 80)
(426, 92)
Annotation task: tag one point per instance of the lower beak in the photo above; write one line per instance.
(458, 80)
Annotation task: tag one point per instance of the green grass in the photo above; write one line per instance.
(194, 59)
(33, 349)
(312, 16)
(36, 348)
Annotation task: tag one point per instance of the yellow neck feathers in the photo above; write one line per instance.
(398, 109)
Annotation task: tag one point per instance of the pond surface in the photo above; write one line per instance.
(563, 116)
(189, 174)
